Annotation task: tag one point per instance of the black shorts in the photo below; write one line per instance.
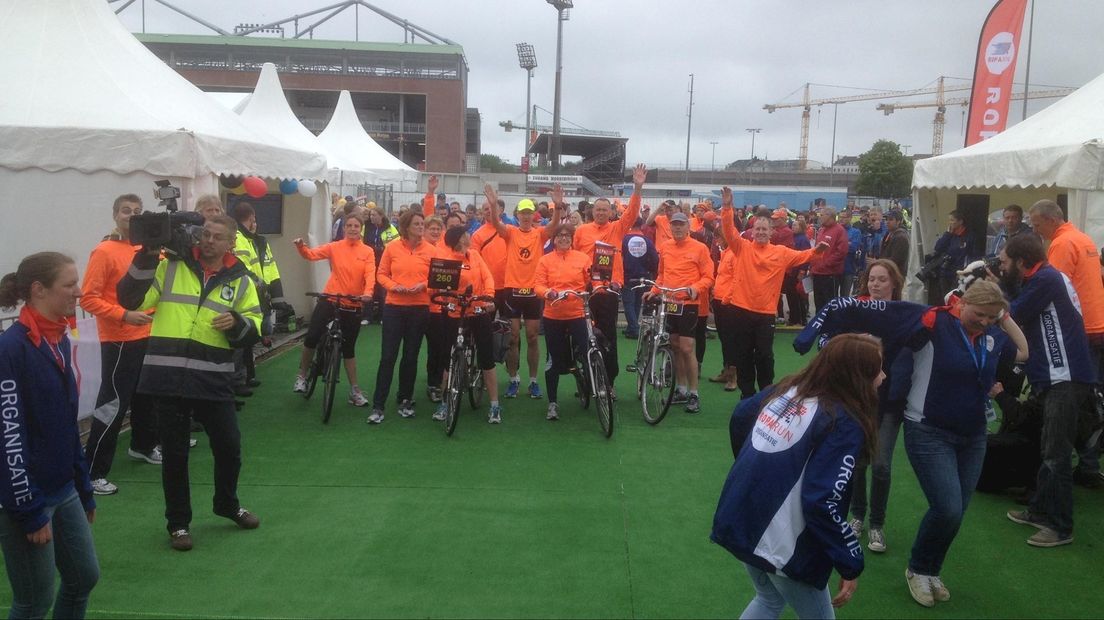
(686, 323)
(528, 307)
(480, 329)
(502, 303)
(349, 320)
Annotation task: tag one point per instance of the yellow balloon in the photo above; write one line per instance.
(237, 191)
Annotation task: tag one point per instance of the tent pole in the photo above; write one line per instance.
(1027, 72)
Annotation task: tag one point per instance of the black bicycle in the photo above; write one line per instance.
(327, 357)
(463, 375)
(655, 362)
(591, 379)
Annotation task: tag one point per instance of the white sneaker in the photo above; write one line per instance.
(357, 398)
(406, 409)
(877, 542)
(920, 588)
(495, 415)
(939, 591)
(441, 413)
(300, 385)
(376, 417)
(100, 486)
(553, 412)
(153, 457)
(856, 526)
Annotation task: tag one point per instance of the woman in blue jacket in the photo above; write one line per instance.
(783, 509)
(45, 491)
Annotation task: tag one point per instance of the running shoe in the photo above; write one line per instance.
(877, 542)
(856, 526)
(512, 389)
(376, 417)
(153, 457)
(553, 412)
(100, 486)
(693, 403)
(300, 385)
(939, 591)
(357, 398)
(495, 415)
(534, 391)
(680, 397)
(441, 413)
(920, 588)
(406, 409)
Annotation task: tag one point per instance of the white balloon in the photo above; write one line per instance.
(307, 188)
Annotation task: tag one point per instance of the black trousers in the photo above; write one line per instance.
(798, 302)
(403, 327)
(120, 364)
(825, 289)
(603, 309)
(723, 318)
(753, 334)
(564, 340)
(220, 421)
(436, 348)
(699, 339)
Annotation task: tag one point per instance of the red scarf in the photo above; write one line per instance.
(40, 328)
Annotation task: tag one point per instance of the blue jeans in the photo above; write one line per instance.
(773, 592)
(888, 427)
(1063, 406)
(630, 298)
(948, 466)
(31, 567)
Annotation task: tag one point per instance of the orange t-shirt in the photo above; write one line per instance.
(108, 263)
(477, 274)
(726, 271)
(492, 247)
(406, 267)
(662, 230)
(611, 233)
(352, 266)
(1073, 253)
(563, 271)
(686, 263)
(523, 250)
(758, 269)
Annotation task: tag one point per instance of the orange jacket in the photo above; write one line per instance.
(108, 263)
(662, 230)
(477, 274)
(523, 250)
(405, 267)
(726, 271)
(563, 271)
(612, 233)
(758, 269)
(492, 247)
(352, 266)
(429, 205)
(1073, 253)
(686, 263)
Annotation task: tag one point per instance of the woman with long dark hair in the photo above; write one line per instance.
(783, 507)
(45, 489)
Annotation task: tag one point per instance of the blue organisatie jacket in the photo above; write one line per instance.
(783, 508)
(43, 460)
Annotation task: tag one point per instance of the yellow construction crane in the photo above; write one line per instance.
(941, 102)
(807, 103)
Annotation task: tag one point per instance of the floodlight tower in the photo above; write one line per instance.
(527, 58)
(561, 16)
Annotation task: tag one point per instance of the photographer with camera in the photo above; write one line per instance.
(953, 251)
(206, 306)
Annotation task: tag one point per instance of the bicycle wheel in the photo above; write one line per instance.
(643, 345)
(330, 378)
(476, 387)
(659, 387)
(317, 366)
(454, 392)
(603, 395)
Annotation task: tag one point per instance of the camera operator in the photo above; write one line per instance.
(206, 305)
(254, 251)
(1061, 371)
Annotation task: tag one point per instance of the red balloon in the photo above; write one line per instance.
(255, 186)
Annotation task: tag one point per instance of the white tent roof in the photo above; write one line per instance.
(81, 92)
(345, 137)
(1059, 146)
(267, 110)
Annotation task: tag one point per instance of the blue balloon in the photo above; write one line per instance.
(289, 186)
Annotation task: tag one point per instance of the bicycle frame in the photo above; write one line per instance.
(592, 340)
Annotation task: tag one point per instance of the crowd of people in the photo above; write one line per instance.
(177, 326)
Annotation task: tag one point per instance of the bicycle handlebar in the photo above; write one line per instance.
(584, 295)
(336, 296)
(645, 283)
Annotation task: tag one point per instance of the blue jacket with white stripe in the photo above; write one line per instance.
(783, 508)
(43, 460)
(1049, 312)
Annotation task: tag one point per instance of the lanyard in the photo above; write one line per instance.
(978, 358)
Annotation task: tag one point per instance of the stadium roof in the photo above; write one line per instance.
(305, 44)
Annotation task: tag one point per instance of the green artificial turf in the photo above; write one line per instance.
(526, 519)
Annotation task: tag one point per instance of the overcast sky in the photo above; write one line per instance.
(626, 63)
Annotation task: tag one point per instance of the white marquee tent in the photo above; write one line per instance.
(1058, 151)
(345, 137)
(88, 113)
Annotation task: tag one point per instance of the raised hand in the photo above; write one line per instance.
(431, 185)
(491, 194)
(557, 195)
(726, 196)
(640, 174)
